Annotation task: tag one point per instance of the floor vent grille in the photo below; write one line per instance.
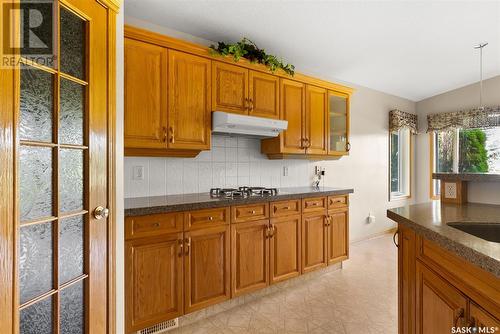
(162, 327)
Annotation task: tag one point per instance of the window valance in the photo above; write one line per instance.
(402, 120)
(470, 119)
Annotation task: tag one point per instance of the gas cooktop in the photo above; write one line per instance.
(242, 192)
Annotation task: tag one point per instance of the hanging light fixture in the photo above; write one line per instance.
(480, 46)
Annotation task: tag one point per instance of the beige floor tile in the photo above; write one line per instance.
(360, 298)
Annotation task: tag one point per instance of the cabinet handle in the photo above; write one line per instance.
(459, 314)
(247, 104)
(210, 218)
(251, 104)
(188, 245)
(268, 232)
(252, 212)
(302, 143)
(348, 146)
(394, 238)
(181, 246)
(165, 135)
(286, 208)
(172, 139)
(156, 224)
(273, 228)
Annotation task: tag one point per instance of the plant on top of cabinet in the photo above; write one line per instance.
(249, 50)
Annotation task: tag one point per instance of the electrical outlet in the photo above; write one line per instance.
(450, 190)
(138, 173)
(285, 170)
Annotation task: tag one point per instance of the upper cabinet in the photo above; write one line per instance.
(173, 86)
(189, 114)
(242, 91)
(230, 84)
(145, 98)
(338, 123)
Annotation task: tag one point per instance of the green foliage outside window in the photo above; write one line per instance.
(473, 155)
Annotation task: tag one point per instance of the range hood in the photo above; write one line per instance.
(223, 122)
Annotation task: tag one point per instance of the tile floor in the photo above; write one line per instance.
(360, 298)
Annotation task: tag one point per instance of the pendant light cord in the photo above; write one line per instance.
(480, 46)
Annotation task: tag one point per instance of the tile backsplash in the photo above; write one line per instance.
(232, 161)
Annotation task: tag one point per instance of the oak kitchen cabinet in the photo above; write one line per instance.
(172, 86)
(243, 91)
(167, 101)
(439, 290)
(181, 262)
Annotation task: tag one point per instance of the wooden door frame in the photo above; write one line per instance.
(9, 105)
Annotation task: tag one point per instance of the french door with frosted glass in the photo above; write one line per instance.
(61, 142)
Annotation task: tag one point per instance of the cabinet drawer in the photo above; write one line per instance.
(245, 213)
(285, 208)
(338, 201)
(313, 204)
(152, 225)
(206, 218)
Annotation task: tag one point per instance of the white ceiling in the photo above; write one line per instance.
(412, 49)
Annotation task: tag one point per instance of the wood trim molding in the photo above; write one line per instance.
(200, 50)
(113, 5)
(431, 167)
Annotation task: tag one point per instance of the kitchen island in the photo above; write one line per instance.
(448, 278)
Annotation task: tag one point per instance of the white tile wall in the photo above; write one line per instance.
(232, 161)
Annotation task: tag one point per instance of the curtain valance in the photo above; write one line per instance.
(402, 120)
(470, 119)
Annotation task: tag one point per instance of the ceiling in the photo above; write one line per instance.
(412, 49)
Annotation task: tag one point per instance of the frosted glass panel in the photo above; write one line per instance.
(36, 103)
(72, 309)
(37, 318)
(35, 178)
(71, 237)
(35, 260)
(70, 180)
(71, 113)
(72, 44)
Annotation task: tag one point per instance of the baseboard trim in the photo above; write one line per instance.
(374, 236)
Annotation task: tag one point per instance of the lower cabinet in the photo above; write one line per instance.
(249, 256)
(285, 244)
(206, 267)
(439, 305)
(153, 280)
(314, 241)
(442, 293)
(338, 235)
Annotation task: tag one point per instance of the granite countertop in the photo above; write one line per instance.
(162, 204)
(430, 220)
(479, 177)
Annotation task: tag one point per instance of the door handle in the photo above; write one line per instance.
(181, 247)
(188, 245)
(100, 213)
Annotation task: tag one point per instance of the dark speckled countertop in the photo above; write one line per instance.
(162, 204)
(430, 220)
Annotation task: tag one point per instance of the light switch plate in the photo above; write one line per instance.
(450, 190)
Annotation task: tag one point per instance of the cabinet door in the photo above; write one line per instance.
(338, 123)
(480, 318)
(440, 306)
(230, 88)
(250, 256)
(264, 95)
(206, 265)
(315, 120)
(153, 280)
(338, 235)
(292, 110)
(285, 244)
(406, 280)
(314, 252)
(189, 99)
(145, 95)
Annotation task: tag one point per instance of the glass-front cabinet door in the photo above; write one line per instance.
(338, 123)
(62, 174)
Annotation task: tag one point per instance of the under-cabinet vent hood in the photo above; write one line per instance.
(223, 122)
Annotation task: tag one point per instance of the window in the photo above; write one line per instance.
(464, 151)
(400, 164)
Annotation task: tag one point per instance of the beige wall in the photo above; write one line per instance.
(459, 99)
